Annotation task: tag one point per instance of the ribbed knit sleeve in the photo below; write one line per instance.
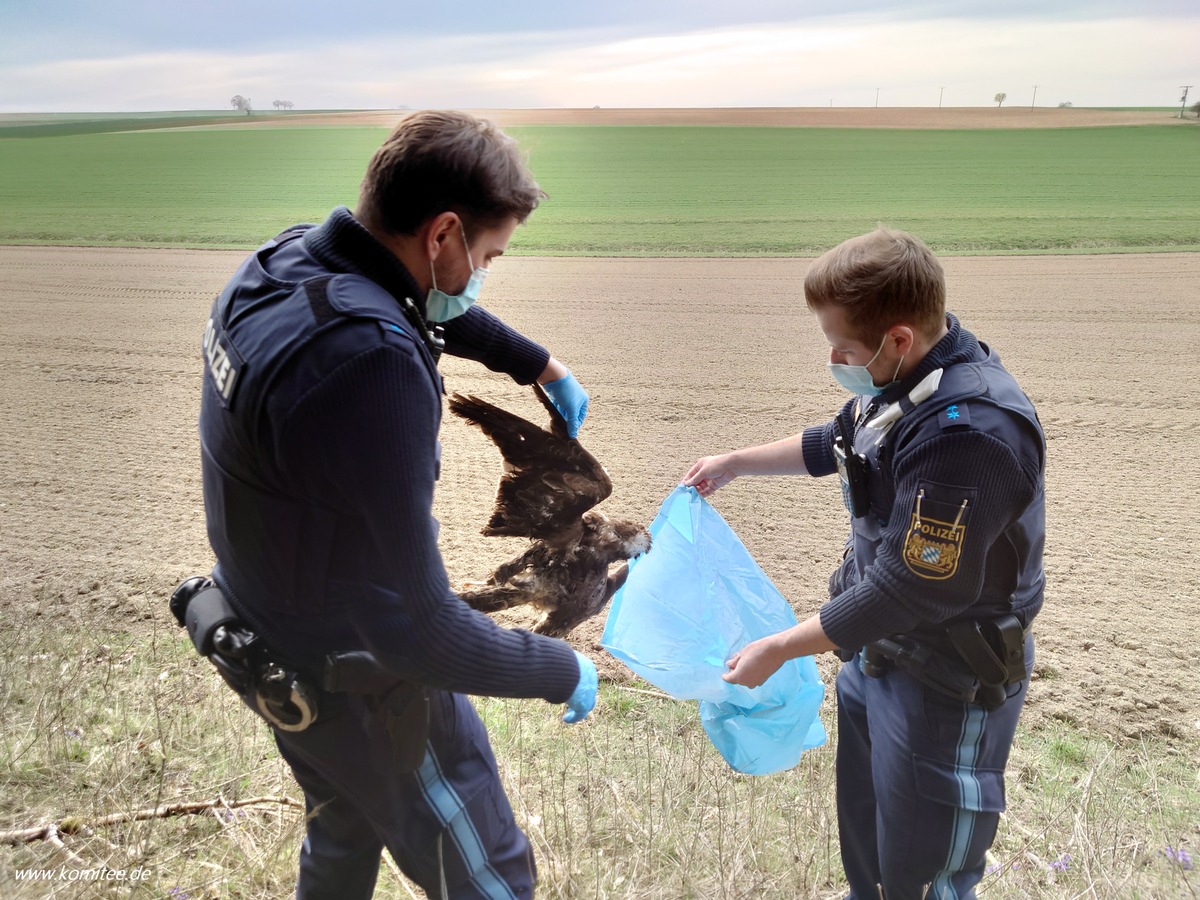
(363, 442)
(816, 443)
(481, 336)
(933, 480)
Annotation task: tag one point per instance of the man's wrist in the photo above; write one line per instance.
(553, 371)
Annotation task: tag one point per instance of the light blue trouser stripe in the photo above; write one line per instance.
(969, 795)
(445, 802)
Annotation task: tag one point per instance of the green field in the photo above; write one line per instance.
(672, 190)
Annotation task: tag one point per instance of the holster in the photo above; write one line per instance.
(923, 663)
(992, 657)
(403, 704)
(993, 649)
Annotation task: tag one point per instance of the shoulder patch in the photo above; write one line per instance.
(937, 530)
(956, 415)
(222, 362)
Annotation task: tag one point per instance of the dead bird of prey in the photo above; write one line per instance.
(547, 492)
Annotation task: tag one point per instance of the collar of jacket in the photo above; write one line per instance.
(343, 245)
(957, 346)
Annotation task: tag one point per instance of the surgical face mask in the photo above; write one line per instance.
(858, 380)
(442, 307)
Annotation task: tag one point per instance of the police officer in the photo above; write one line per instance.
(318, 427)
(941, 459)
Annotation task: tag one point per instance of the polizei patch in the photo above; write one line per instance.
(935, 536)
(222, 361)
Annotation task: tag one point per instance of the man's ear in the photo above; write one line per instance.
(437, 231)
(903, 338)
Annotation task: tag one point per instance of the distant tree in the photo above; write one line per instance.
(278, 104)
(1000, 98)
(1066, 105)
(282, 104)
(1196, 108)
(242, 103)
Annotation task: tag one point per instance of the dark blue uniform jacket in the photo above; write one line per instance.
(957, 519)
(318, 431)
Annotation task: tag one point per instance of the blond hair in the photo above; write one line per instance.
(879, 279)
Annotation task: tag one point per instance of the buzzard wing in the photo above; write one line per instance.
(549, 479)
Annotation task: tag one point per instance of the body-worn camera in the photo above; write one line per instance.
(852, 470)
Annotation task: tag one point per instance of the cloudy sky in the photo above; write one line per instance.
(111, 55)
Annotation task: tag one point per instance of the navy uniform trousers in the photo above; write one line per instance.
(920, 784)
(448, 826)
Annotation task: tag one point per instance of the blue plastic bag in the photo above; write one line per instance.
(689, 605)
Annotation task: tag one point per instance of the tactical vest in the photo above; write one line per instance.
(961, 387)
(280, 310)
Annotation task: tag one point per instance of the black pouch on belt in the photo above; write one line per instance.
(201, 608)
(216, 631)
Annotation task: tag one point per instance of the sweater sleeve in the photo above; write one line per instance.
(817, 446)
(363, 441)
(956, 494)
(483, 337)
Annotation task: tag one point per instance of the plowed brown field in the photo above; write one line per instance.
(100, 508)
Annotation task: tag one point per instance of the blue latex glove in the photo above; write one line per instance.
(570, 399)
(583, 698)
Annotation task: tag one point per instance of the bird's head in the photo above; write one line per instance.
(633, 539)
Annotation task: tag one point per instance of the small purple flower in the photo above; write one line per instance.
(1180, 857)
(179, 893)
(993, 869)
(73, 733)
(1062, 863)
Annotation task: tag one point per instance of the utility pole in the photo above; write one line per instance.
(877, 98)
(1034, 100)
(1183, 99)
(941, 91)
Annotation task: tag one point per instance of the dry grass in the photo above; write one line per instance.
(634, 803)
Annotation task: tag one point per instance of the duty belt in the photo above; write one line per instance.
(286, 697)
(992, 656)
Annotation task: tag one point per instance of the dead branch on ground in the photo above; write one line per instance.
(73, 824)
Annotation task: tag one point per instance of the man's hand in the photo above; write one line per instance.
(755, 663)
(710, 473)
(583, 698)
(759, 660)
(570, 399)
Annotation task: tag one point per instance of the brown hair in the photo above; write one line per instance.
(878, 279)
(437, 161)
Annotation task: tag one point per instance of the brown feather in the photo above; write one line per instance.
(549, 481)
(547, 492)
